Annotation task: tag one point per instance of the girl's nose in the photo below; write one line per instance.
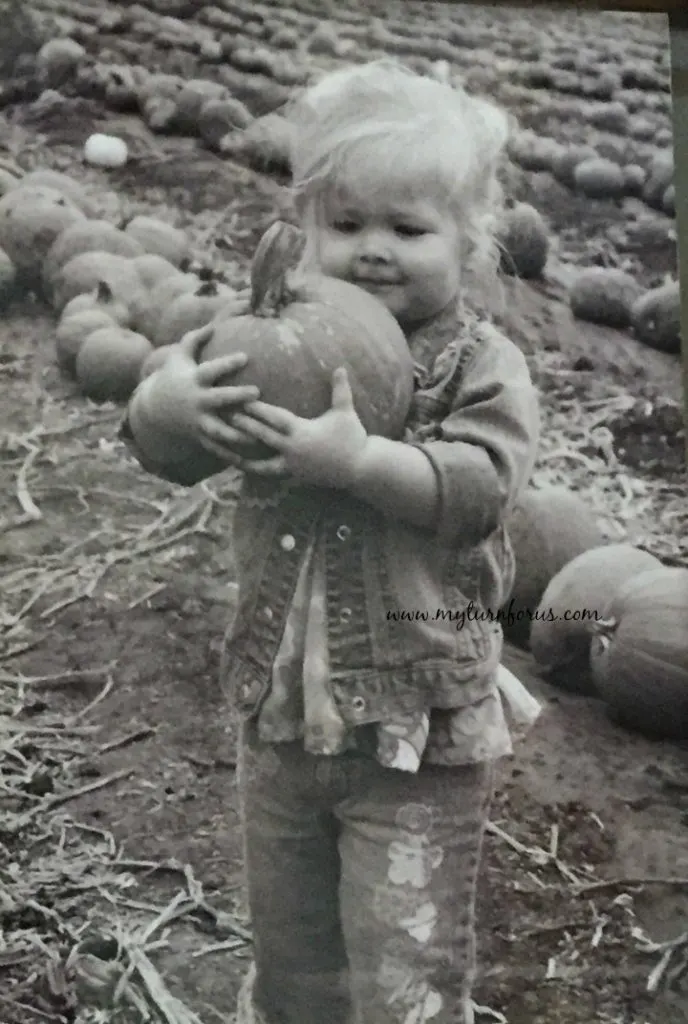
(373, 250)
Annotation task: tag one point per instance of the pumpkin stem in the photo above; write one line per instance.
(603, 628)
(104, 292)
(277, 251)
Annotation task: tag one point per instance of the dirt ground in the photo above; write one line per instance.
(117, 762)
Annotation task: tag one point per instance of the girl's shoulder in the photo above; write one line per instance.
(443, 349)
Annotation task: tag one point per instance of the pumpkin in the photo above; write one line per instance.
(86, 236)
(634, 179)
(660, 174)
(153, 268)
(69, 187)
(108, 366)
(31, 218)
(158, 237)
(565, 163)
(150, 307)
(58, 59)
(220, 115)
(301, 327)
(266, 144)
(154, 361)
(158, 95)
(656, 318)
(604, 295)
(101, 150)
(85, 272)
(639, 655)
(72, 331)
(669, 201)
(523, 240)
(194, 94)
(189, 311)
(547, 528)
(599, 179)
(574, 600)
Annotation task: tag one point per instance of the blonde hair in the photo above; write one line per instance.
(379, 127)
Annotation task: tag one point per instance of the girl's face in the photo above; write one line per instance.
(405, 251)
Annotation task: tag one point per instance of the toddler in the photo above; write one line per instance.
(368, 740)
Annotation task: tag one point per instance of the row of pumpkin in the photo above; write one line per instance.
(600, 619)
(121, 294)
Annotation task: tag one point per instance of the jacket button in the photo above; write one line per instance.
(287, 543)
(343, 532)
(358, 704)
(345, 614)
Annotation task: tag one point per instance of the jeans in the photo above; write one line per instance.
(361, 886)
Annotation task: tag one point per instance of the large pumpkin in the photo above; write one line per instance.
(301, 328)
(574, 600)
(639, 656)
(547, 528)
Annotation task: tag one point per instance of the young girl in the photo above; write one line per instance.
(368, 738)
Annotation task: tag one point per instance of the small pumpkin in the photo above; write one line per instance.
(567, 160)
(599, 178)
(301, 327)
(523, 240)
(153, 268)
(194, 95)
(108, 366)
(72, 331)
(573, 602)
(634, 179)
(64, 184)
(85, 272)
(158, 237)
(150, 307)
(265, 145)
(605, 296)
(31, 218)
(660, 175)
(191, 310)
(639, 655)
(656, 318)
(547, 528)
(58, 59)
(154, 361)
(86, 236)
(220, 115)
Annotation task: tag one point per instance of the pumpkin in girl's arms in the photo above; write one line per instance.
(639, 655)
(301, 327)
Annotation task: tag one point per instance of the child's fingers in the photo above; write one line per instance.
(215, 369)
(215, 398)
(193, 341)
(220, 433)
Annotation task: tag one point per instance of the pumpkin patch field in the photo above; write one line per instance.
(144, 153)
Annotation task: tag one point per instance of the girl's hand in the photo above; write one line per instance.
(325, 451)
(186, 397)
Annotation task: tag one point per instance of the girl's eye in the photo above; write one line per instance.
(345, 226)
(409, 230)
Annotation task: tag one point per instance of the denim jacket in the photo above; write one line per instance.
(474, 414)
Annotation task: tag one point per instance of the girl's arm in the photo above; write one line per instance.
(460, 486)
